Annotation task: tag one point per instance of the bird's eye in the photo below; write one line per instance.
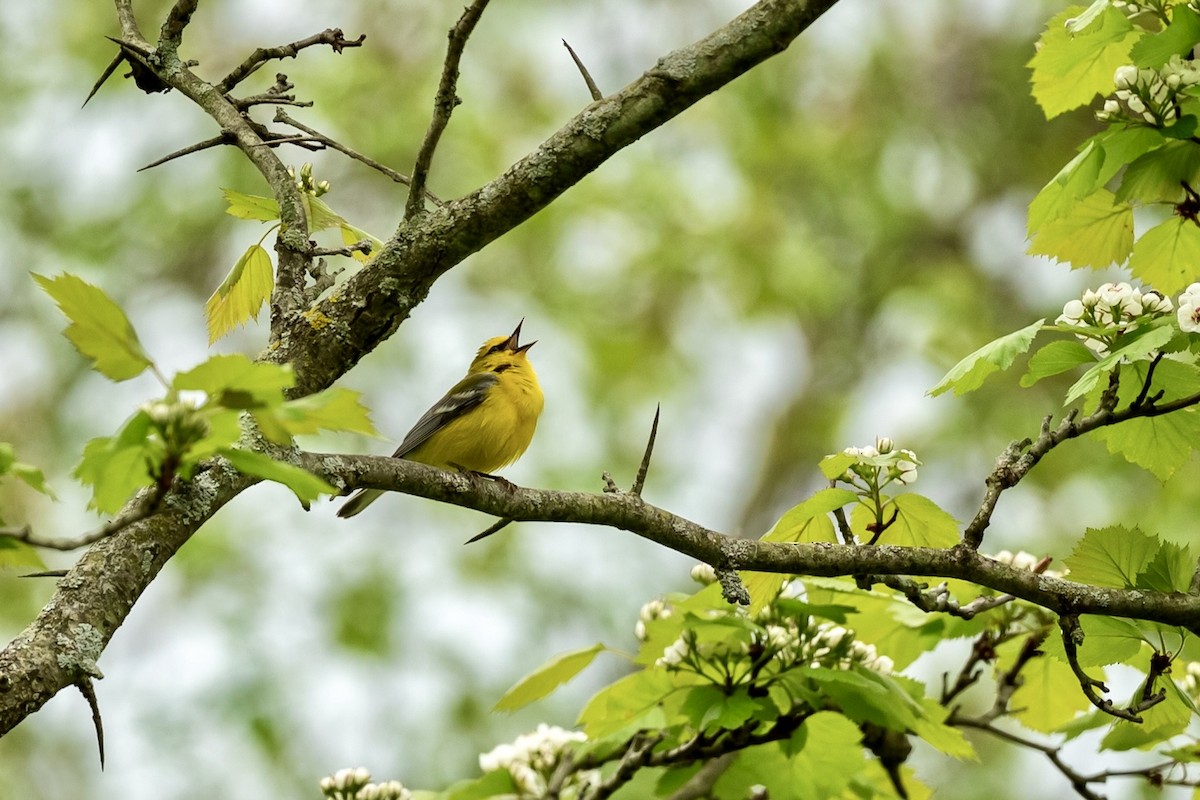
(501, 367)
(496, 348)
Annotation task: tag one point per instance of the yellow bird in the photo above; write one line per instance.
(484, 422)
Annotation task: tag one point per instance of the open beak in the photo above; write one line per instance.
(513, 344)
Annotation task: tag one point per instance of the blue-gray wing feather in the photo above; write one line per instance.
(464, 396)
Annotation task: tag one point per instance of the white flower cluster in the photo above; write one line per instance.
(1115, 306)
(675, 653)
(354, 784)
(532, 759)
(655, 609)
(825, 642)
(1148, 96)
(1024, 560)
(880, 464)
(1189, 309)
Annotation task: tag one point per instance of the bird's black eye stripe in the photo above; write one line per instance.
(496, 348)
(501, 367)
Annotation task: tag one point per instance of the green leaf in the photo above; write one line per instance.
(99, 328)
(1079, 178)
(496, 784)
(234, 381)
(818, 762)
(117, 466)
(14, 553)
(1096, 232)
(1167, 256)
(1163, 443)
(352, 235)
(1176, 39)
(807, 522)
(1159, 723)
(969, 374)
(304, 484)
(931, 727)
(548, 677)
(1137, 346)
(1048, 695)
(334, 409)
(919, 523)
(1106, 640)
(251, 206)
(1070, 69)
(1170, 570)
(28, 473)
(835, 465)
(864, 696)
(241, 295)
(1055, 358)
(626, 703)
(1112, 556)
(1155, 177)
(320, 215)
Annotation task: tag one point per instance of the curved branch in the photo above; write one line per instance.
(630, 513)
(372, 304)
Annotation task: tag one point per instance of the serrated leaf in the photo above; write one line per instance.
(1170, 570)
(117, 466)
(1140, 345)
(1048, 695)
(1155, 177)
(306, 486)
(251, 206)
(1070, 69)
(31, 475)
(99, 328)
(1167, 256)
(1081, 23)
(320, 215)
(548, 677)
(1163, 443)
(1112, 556)
(1178, 38)
(969, 374)
(15, 553)
(919, 523)
(235, 381)
(334, 409)
(1055, 358)
(241, 295)
(626, 703)
(1106, 640)
(1096, 232)
(1079, 178)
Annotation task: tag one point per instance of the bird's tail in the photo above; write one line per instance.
(358, 501)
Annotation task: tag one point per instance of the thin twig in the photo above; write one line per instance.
(639, 482)
(113, 526)
(1141, 398)
(443, 105)
(281, 116)
(1072, 636)
(498, 526)
(364, 246)
(1078, 781)
(332, 37)
(587, 76)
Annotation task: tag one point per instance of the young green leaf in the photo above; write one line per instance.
(1069, 69)
(969, 374)
(548, 677)
(1048, 696)
(1140, 345)
(234, 381)
(1112, 556)
(1106, 640)
(14, 553)
(28, 473)
(242, 294)
(1155, 177)
(1079, 178)
(919, 523)
(1176, 39)
(320, 215)
(1167, 256)
(117, 466)
(306, 486)
(1097, 232)
(1163, 443)
(251, 206)
(1055, 358)
(1170, 570)
(1159, 723)
(352, 235)
(333, 409)
(99, 328)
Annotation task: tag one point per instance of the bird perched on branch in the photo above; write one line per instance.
(482, 424)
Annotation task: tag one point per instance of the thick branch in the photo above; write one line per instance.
(372, 304)
(629, 512)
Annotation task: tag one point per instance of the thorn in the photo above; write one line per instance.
(84, 684)
(587, 78)
(500, 525)
(108, 71)
(640, 480)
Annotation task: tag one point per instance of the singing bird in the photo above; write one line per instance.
(484, 422)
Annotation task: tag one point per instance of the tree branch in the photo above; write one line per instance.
(631, 513)
(443, 105)
(331, 36)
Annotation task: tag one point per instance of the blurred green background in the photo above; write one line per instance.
(787, 268)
